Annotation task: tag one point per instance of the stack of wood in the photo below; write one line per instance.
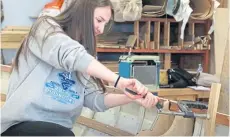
(12, 36)
(200, 43)
(112, 40)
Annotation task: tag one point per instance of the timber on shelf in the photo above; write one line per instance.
(121, 50)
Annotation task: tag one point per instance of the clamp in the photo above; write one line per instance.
(184, 106)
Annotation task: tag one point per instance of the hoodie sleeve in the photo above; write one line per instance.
(94, 98)
(59, 50)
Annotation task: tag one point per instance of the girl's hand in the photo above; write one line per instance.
(149, 101)
(133, 85)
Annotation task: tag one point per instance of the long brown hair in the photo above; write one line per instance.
(77, 21)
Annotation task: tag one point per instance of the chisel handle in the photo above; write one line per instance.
(158, 105)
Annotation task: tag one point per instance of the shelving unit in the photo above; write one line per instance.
(204, 53)
(149, 46)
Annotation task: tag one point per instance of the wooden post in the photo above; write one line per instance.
(192, 31)
(136, 32)
(166, 33)
(167, 61)
(206, 61)
(157, 35)
(209, 129)
(180, 41)
(147, 32)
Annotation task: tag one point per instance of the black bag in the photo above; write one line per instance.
(180, 78)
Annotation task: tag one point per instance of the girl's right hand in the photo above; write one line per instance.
(149, 101)
(133, 85)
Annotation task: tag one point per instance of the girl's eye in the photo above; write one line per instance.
(99, 21)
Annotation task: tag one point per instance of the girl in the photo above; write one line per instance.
(55, 74)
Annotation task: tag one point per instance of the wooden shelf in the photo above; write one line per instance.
(144, 19)
(104, 50)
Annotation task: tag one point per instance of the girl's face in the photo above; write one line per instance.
(102, 16)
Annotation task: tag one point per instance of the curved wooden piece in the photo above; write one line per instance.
(181, 127)
(162, 124)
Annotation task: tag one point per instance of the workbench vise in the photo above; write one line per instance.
(144, 68)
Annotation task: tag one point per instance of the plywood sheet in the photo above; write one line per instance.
(220, 37)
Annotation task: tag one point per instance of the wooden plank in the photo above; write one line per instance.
(136, 32)
(223, 105)
(17, 28)
(157, 34)
(5, 33)
(166, 33)
(102, 127)
(10, 45)
(209, 128)
(220, 37)
(12, 38)
(167, 61)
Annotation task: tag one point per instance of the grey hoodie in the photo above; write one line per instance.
(45, 87)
